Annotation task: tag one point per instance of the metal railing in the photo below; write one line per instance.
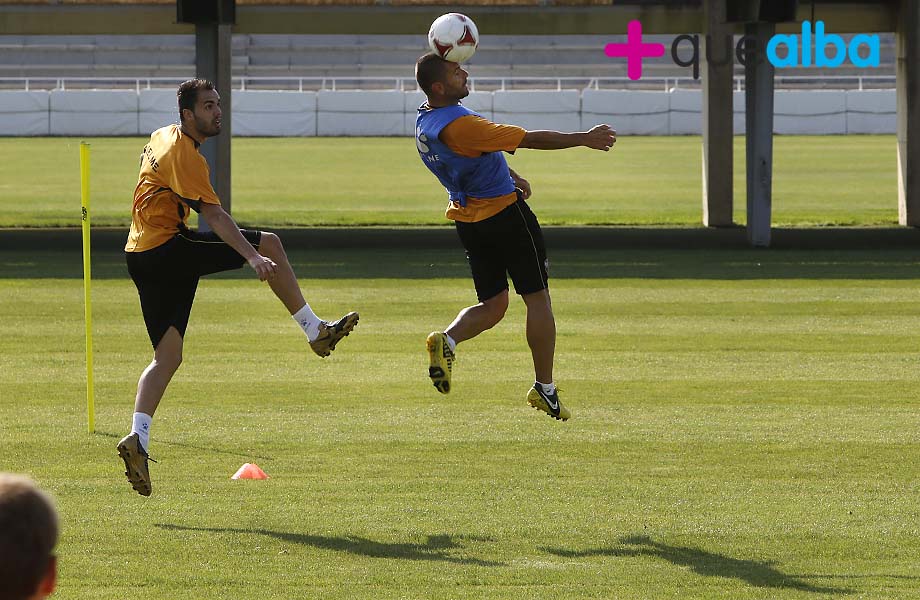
(301, 84)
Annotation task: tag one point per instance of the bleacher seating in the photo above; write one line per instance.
(173, 56)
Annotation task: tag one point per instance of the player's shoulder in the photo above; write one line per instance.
(171, 141)
(164, 139)
(472, 122)
(169, 133)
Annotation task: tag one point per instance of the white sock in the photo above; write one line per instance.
(548, 388)
(451, 343)
(308, 321)
(141, 426)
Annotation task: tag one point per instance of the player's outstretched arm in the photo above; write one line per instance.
(599, 137)
(226, 229)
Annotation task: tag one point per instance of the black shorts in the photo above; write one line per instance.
(167, 276)
(509, 243)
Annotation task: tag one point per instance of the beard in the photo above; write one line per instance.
(207, 127)
(461, 93)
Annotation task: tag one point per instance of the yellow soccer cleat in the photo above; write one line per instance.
(441, 359)
(548, 403)
(331, 333)
(130, 451)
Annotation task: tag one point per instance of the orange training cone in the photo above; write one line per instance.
(250, 471)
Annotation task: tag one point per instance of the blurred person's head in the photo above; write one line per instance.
(28, 534)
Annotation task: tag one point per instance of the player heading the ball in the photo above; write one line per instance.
(501, 235)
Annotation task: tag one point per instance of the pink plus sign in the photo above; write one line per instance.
(634, 50)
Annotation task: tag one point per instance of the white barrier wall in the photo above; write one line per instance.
(392, 112)
(871, 111)
(361, 113)
(411, 102)
(628, 112)
(275, 114)
(24, 113)
(815, 112)
(482, 103)
(538, 109)
(686, 112)
(93, 112)
(737, 113)
(156, 108)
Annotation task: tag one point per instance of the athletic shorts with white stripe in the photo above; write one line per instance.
(507, 244)
(167, 276)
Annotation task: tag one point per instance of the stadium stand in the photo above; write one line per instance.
(281, 56)
(351, 56)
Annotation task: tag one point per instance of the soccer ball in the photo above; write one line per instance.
(454, 37)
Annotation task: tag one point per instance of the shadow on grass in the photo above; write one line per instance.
(426, 263)
(435, 548)
(193, 447)
(866, 576)
(709, 564)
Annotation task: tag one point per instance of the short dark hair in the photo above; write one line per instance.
(429, 69)
(28, 534)
(188, 93)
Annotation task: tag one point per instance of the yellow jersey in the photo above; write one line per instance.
(174, 177)
(473, 136)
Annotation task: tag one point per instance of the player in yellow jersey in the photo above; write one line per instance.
(500, 233)
(166, 259)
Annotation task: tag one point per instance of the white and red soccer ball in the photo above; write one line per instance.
(454, 37)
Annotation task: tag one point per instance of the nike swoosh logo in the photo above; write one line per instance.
(549, 401)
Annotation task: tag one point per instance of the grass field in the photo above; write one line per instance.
(746, 425)
(818, 180)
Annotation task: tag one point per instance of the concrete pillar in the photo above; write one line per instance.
(758, 102)
(212, 61)
(908, 85)
(717, 55)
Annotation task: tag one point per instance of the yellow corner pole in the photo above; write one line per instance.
(87, 284)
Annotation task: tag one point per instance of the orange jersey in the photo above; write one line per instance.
(473, 136)
(173, 177)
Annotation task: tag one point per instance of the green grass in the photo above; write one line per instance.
(832, 180)
(746, 425)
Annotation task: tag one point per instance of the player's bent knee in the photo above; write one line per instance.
(538, 299)
(497, 305)
(498, 312)
(169, 357)
(269, 242)
(168, 353)
(168, 362)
